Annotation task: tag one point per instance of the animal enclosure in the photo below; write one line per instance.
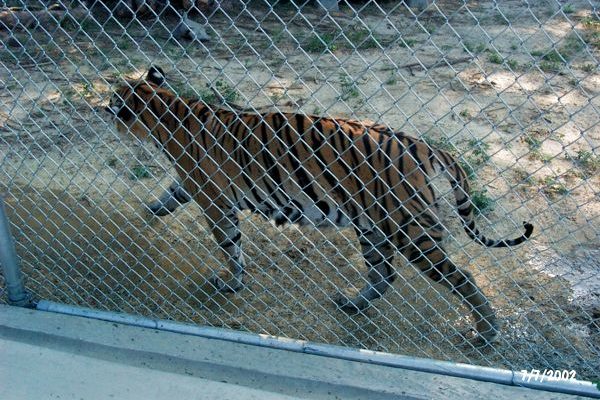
(510, 88)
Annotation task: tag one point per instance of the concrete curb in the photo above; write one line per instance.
(45, 355)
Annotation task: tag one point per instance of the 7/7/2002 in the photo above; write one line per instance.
(547, 375)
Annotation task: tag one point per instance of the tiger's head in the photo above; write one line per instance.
(137, 106)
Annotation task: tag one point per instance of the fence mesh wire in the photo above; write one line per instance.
(510, 88)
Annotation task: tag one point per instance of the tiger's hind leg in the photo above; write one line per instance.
(378, 254)
(225, 228)
(172, 198)
(431, 259)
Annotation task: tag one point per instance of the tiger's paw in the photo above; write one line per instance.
(170, 200)
(351, 301)
(488, 332)
(160, 209)
(225, 282)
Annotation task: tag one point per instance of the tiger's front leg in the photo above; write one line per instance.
(225, 228)
(172, 198)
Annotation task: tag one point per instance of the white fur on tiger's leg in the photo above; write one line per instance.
(378, 255)
(172, 198)
(190, 30)
(225, 228)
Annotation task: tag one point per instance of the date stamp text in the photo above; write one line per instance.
(547, 375)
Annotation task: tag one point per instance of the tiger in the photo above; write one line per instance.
(313, 171)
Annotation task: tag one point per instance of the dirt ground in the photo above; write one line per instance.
(520, 110)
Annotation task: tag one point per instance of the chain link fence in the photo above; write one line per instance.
(511, 88)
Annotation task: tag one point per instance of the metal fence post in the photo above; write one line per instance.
(17, 295)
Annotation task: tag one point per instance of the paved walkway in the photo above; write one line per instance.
(51, 356)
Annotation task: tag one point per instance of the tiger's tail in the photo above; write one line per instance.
(465, 207)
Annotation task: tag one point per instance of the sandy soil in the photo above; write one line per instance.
(527, 124)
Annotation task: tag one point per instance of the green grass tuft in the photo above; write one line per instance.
(443, 144)
(550, 66)
(362, 39)
(319, 43)
(482, 202)
(475, 48)
(495, 58)
(351, 39)
(407, 43)
(513, 64)
(225, 93)
(349, 87)
(587, 161)
(140, 172)
(588, 67)
(553, 187)
(591, 34)
(479, 153)
(468, 168)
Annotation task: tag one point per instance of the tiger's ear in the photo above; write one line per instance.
(156, 75)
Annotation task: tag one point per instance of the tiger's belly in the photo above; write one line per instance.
(303, 212)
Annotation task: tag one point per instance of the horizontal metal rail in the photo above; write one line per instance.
(484, 374)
